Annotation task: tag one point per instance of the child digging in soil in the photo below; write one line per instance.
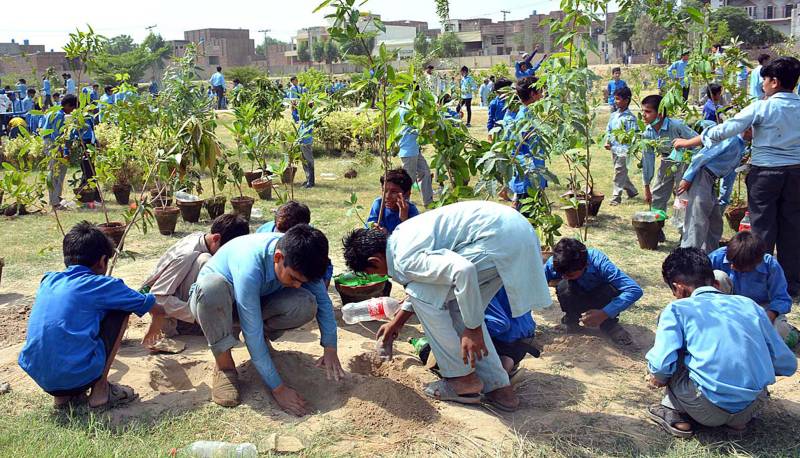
(714, 375)
(176, 272)
(591, 290)
(77, 324)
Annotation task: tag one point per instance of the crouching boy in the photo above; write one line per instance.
(591, 290)
(77, 324)
(709, 376)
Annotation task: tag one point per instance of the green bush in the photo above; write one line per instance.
(244, 74)
(13, 147)
(347, 132)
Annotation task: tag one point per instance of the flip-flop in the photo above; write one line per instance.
(166, 345)
(118, 395)
(667, 418)
(442, 391)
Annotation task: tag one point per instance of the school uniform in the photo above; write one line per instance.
(530, 155)
(483, 92)
(710, 111)
(48, 99)
(413, 161)
(497, 111)
(702, 227)
(755, 89)
(511, 336)
(71, 87)
(239, 284)
(451, 262)
(612, 87)
(22, 90)
(619, 153)
(602, 286)
(774, 176)
(27, 105)
(270, 227)
(218, 84)
(391, 218)
(666, 180)
(468, 86)
(306, 132)
(678, 71)
(75, 321)
(56, 170)
(519, 73)
(708, 375)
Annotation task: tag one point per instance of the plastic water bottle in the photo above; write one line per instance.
(213, 449)
(377, 308)
(679, 211)
(744, 225)
(184, 196)
(421, 347)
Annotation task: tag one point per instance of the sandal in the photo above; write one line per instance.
(667, 418)
(166, 345)
(443, 391)
(118, 395)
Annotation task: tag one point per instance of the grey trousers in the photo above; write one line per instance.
(622, 181)
(56, 174)
(444, 326)
(702, 226)
(666, 182)
(684, 396)
(420, 172)
(213, 306)
(179, 310)
(308, 162)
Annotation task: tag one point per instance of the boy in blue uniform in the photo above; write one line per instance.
(713, 104)
(306, 133)
(523, 68)
(468, 86)
(713, 374)
(57, 171)
(46, 92)
(28, 103)
(612, 87)
(752, 273)
(269, 283)
(398, 208)
(621, 119)
(591, 290)
(497, 107)
(529, 152)
(77, 324)
(678, 71)
(22, 88)
(217, 81)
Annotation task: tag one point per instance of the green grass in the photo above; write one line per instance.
(28, 427)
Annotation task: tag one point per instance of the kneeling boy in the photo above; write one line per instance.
(77, 324)
(715, 375)
(591, 290)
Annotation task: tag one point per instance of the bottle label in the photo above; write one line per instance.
(375, 307)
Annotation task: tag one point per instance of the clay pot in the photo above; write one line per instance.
(263, 187)
(21, 210)
(576, 217)
(161, 199)
(594, 203)
(350, 174)
(86, 194)
(647, 233)
(288, 175)
(359, 293)
(167, 219)
(254, 175)
(242, 206)
(734, 215)
(11, 210)
(114, 231)
(122, 193)
(215, 206)
(190, 210)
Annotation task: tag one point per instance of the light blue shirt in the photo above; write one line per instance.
(409, 141)
(728, 344)
(217, 79)
(756, 90)
(54, 122)
(670, 130)
(612, 87)
(530, 71)
(776, 138)
(46, 87)
(247, 264)
(484, 91)
(22, 90)
(765, 285)
(678, 71)
(720, 159)
(437, 256)
(71, 86)
(619, 120)
(468, 86)
(530, 154)
(497, 112)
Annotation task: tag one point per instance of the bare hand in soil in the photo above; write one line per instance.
(653, 382)
(593, 318)
(290, 401)
(330, 361)
(473, 348)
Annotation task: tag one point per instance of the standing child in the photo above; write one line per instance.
(613, 85)
(621, 119)
(497, 107)
(468, 86)
(413, 161)
(306, 132)
(54, 122)
(713, 104)
(483, 91)
(530, 153)
(677, 71)
(755, 89)
(46, 92)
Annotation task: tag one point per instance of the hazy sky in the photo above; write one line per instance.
(172, 17)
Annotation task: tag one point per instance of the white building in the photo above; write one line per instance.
(780, 14)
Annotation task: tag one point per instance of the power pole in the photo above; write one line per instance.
(266, 53)
(505, 28)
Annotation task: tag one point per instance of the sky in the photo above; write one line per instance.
(283, 18)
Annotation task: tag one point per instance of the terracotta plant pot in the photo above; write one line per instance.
(114, 231)
(242, 206)
(734, 215)
(122, 193)
(190, 210)
(359, 293)
(594, 203)
(576, 217)
(250, 176)
(86, 195)
(647, 233)
(350, 174)
(11, 210)
(288, 175)
(215, 206)
(167, 219)
(263, 187)
(161, 199)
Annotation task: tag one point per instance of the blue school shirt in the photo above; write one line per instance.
(46, 87)
(497, 111)
(27, 104)
(670, 130)
(601, 271)
(306, 129)
(728, 344)
(217, 79)
(625, 119)
(530, 71)
(776, 138)
(54, 122)
(22, 89)
(721, 159)
(71, 86)
(502, 325)
(247, 264)
(530, 155)
(756, 90)
(678, 71)
(409, 140)
(612, 88)
(765, 285)
(710, 110)
(468, 86)
(391, 218)
(34, 122)
(16, 106)
(63, 349)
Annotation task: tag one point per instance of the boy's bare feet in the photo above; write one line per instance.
(504, 399)
(467, 384)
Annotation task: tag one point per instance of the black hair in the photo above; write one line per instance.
(108, 89)
(95, 85)
(447, 98)
(616, 69)
(501, 83)
(569, 255)
(784, 69)
(361, 244)
(236, 80)
(624, 93)
(305, 249)
(229, 226)
(713, 89)
(400, 177)
(294, 77)
(465, 69)
(31, 91)
(688, 265)
(745, 250)
(70, 100)
(653, 101)
(763, 59)
(219, 69)
(526, 87)
(22, 80)
(718, 46)
(85, 245)
(685, 53)
(291, 214)
(429, 67)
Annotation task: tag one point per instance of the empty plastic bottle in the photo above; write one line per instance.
(213, 449)
(378, 308)
(744, 225)
(679, 211)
